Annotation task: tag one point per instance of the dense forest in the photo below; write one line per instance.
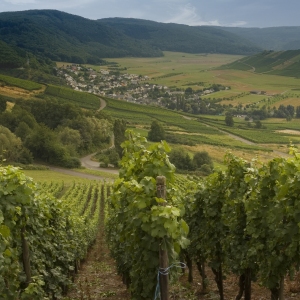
(65, 37)
(182, 38)
(23, 64)
(47, 130)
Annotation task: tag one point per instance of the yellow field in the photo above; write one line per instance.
(288, 101)
(15, 92)
(218, 153)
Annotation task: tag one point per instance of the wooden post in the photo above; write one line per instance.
(26, 259)
(163, 254)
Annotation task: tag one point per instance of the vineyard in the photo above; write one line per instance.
(21, 83)
(43, 239)
(84, 100)
(176, 123)
(241, 222)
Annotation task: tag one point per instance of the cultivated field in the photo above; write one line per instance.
(196, 132)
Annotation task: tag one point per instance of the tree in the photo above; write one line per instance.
(2, 104)
(298, 112)
(181, 159)
(10, 144)
(156, 133)
(229, 120)
(258, 124)
(119, 135)
(203, 161)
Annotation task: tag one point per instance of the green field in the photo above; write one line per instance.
(20, 83)
(198, 71)
(83, 100)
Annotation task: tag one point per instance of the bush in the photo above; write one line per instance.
(202, 158)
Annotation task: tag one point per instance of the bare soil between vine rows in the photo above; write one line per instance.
(98, 279)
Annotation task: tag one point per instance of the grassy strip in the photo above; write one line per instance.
(98, 173)
(21, 83)
(84, 100)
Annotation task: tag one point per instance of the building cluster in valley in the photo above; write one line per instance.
(129, 87)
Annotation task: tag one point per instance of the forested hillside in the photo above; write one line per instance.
(182, 38)
(50, 129)
(19, 63)
(65, 37)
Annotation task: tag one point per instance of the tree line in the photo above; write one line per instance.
(54, 132)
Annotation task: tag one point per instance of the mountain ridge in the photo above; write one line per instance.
(65, 37)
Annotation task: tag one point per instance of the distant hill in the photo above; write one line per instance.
(16, 62)
(11, 57)
(284, 63)
(65, 37)
(182, 38)
(272, 38)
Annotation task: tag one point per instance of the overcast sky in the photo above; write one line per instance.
(240, 13)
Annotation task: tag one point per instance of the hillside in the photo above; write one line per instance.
(182, 38)
(284, 63)
(16, 62)
(272, 38)
(65, 37)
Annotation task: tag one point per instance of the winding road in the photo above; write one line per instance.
(88, 163)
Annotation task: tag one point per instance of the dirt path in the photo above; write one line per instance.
(88, 163)
(97, 278)
(77, 174)
(102, 104)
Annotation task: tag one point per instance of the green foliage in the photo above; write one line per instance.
(58, 234)
(284, 63)
(229, 120)
(245, 219)
(182, 38)
(56, 132)
(9, 57)
(109, 156)
(181, 159)
(119, 135)
(65, 37)
(21, 83)
(2, 104)
(156, 133)
(138, 223)
(11, 148)
(203, 161)
(84, 100)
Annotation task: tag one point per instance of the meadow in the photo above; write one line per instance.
(200, 70)
(208, 132)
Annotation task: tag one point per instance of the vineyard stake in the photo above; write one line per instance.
(25, 255)
(163, 254)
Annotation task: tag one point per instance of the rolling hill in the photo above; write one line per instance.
(284, 63)
(65, 37)
(182, 38)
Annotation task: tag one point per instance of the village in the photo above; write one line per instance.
(128, 87)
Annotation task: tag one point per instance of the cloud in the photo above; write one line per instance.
(187, 14)
(56, 4)
(17, 2)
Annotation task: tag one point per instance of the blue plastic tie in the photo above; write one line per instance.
(165, 272)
